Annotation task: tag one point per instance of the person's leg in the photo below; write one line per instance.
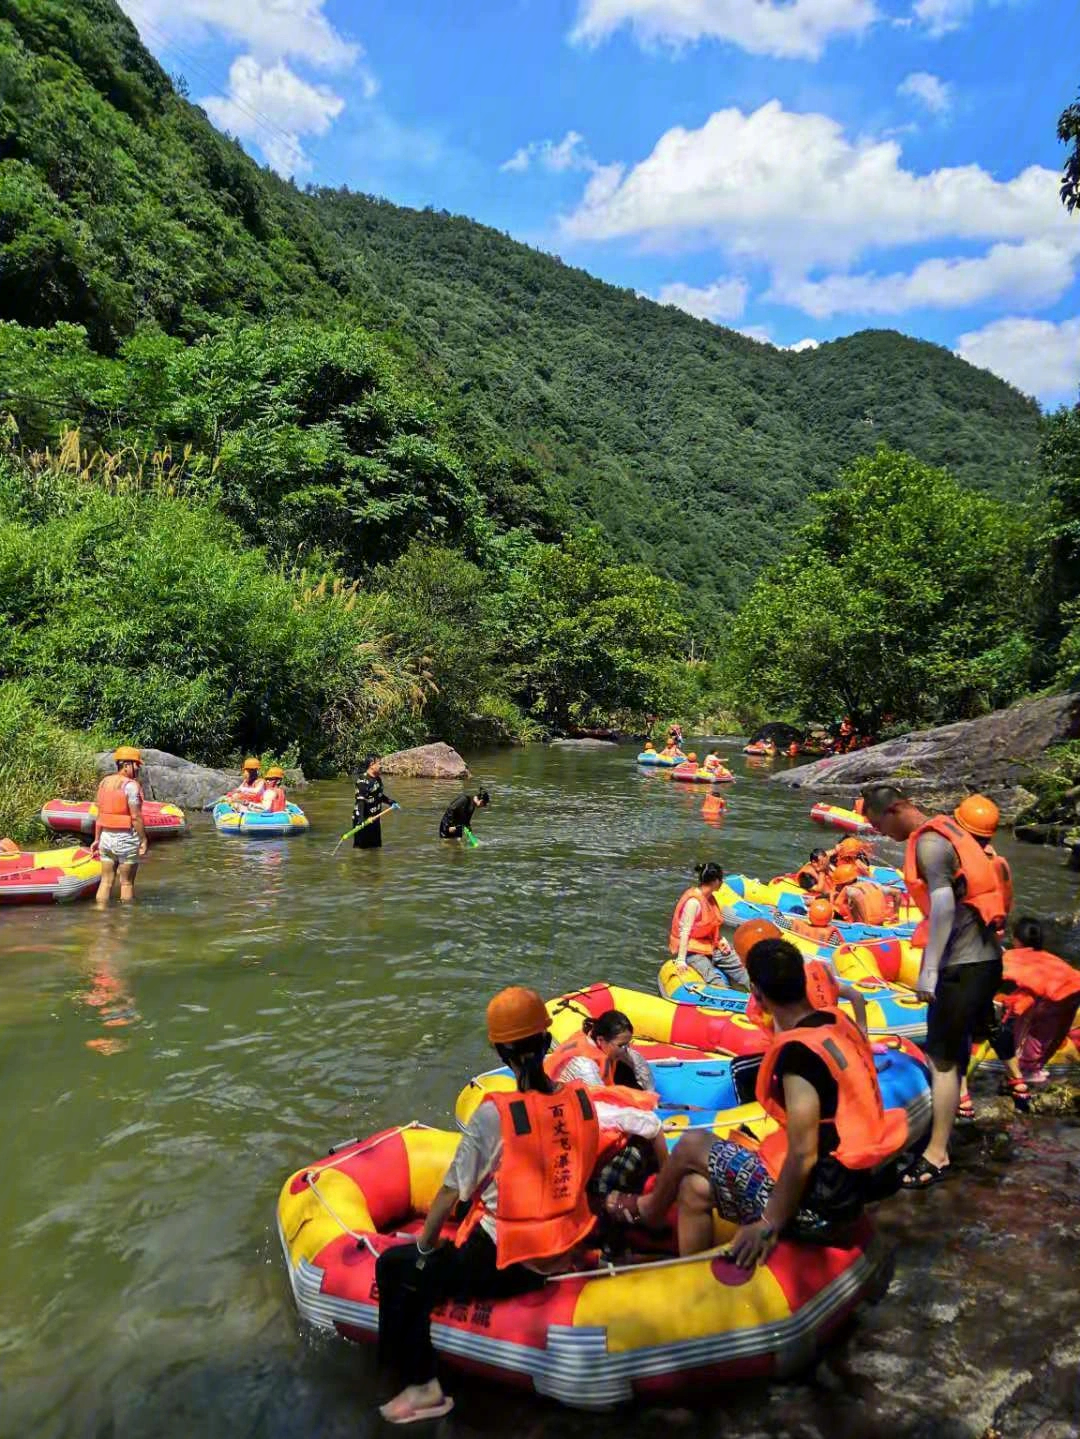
(1049, 1024)
(127, 882)
(962, 1001)
(731, 967)
(104, 889)
(695, 1221)
(690, 1156)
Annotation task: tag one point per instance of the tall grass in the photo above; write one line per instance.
(39, 760)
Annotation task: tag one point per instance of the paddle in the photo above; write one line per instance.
(469, 838)
(363, 825)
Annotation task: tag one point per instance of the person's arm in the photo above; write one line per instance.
(642, 1072)
(442, 1207)
(135, 809)
(476, 1157)
(754, 1242)
(936, 859)
(858, 1004)
(691, 910)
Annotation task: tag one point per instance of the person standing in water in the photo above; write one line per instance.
(458, 817)
(119, 833)
(371, 800)
(964, 893)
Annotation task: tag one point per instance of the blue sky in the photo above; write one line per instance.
(796, 169)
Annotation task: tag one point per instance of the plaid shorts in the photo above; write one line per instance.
(626, 1171)
(119, 845)
(741, 1186)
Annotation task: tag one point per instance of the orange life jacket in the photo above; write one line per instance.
(580, 1046)
(1042, 974)
(868, 1133)
(821, 882)
(112, 803)
(550, 1144)
(862, 904)
(822, 990)
(277, 800)
(987, 879)
(816, 933)
(247, 793)
(705, 931)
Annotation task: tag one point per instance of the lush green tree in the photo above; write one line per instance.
(905, 594)
(1068, 132)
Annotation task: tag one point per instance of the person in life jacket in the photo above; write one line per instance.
(852, 850)
(250, 789)
(824, 987)
(1040, 994)
(273, 796)
(860, 901)
(523, 1167)
(815, 877)
(695, 939)
(119, 833)
(818, 1080)
(818, 925)
(963, 892)
(673, 748)
(602, 1056)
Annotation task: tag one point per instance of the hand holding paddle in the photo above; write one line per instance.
(364, 824)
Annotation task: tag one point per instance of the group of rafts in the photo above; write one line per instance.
(594, 1337)
(54, 876)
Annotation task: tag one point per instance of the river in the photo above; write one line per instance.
(165, 1067)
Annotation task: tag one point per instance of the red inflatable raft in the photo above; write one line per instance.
(48, 876)
(845, 819)
(73, 816)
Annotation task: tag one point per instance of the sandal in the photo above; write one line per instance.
(965, 1110)
(1018, 1091)
(404, 1413)
(623, 1208)
(923, 1174)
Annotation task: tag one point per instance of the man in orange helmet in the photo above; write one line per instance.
(119, 832)
(963, 894)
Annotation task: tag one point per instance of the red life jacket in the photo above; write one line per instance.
(249, 793)
(550, 1144)
(987, 879)
(868, 1133)
(1038, 974)
(816, 933)
(112, 803)
(705, 931)
(277, 800)
(580, 1046)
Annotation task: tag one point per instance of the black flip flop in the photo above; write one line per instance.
(924, 1175)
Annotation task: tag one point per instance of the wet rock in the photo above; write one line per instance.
(427, 761)
(937, 767)
(172, 780)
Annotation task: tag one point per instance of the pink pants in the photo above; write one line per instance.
(1042, 1030)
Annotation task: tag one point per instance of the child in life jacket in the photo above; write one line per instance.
(1040, 994)
(273, 797)
(250, 789)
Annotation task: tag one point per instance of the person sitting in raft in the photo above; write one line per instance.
(672, 748)
(273, 796)
(250, 789)
(824, 987)
(816, 1172)
(818, 925)
(854, 851)
(815, 877)
(860, 901)
(370, 801)
(1040, 993)
(601, 1055)
(523, 1165)
(459, 816)
(119, 832)
(695, 939)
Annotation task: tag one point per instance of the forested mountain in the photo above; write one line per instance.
(693, 446)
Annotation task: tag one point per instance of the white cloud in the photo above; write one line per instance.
(928, 90)
(1026, 276)
(761, 334)
(722, 300)
(782, 28)
(569, 153)
(1037, 356)
(294, 108)
(269, 29)
(941, 16)
(793, 190)
(800, 345)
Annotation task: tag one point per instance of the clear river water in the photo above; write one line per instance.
(164, 1068)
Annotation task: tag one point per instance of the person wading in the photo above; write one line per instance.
(964, 894)
(119, 833)
(459, 816)
(370, 800)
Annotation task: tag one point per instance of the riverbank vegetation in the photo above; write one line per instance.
(309, 473)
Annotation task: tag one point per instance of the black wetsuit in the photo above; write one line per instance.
(370, 799)
(457, 818)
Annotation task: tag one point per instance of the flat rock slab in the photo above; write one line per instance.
(171, 780)
(584, 743)
(991, 755)
(427, 761)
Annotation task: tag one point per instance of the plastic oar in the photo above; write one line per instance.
(363, 825)
(469, 837)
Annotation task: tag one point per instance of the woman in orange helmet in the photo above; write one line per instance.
(250, 789)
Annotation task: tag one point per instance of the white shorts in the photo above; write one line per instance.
(119, 845)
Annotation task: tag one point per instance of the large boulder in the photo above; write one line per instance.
(992, 755)
(427, 761)
(172, 780)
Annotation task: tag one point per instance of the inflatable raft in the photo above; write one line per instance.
(589, 1339)
(889, 1011)
(697, 774)
(71, 816)
(256, 823)
(649, 756)
(657, 1020)
(845, 819)
(48, 876)
(768, 902)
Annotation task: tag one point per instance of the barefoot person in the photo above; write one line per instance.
(818, 1081)
(964, 893)
(119, 833)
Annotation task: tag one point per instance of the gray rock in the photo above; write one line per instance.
(991, 755)
(427, 761)
(584, 744)
(172, 780)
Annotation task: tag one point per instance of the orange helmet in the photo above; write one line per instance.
(275, 772)
(516, 1013)
(844, 873)
(978, 815)
(126, 753)
(751, 932)
(819, 912)
(691, 755)
(251, 764)
(850, 848)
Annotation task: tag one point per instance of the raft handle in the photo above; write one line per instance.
(343, 1144)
